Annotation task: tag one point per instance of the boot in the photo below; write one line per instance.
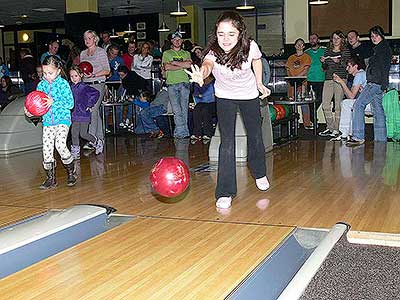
(71, 180)
(50, 181)
(76, 152)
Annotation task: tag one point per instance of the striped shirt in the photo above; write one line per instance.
(339, 68)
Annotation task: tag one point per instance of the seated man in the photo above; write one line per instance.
(355, 67)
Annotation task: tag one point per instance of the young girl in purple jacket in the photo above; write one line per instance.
(85, 98)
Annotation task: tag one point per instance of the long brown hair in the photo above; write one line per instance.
(240, 52)
(342, 37)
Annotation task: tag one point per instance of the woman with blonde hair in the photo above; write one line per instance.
(101, 68)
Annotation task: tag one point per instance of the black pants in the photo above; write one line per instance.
(202, 119)
(317, 88)
(250, 112)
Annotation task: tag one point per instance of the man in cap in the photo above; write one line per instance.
(175, 61)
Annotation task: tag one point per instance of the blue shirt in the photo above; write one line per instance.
(205, 93)
(44, 55)
(4, 71)
(114, 64)
(60, 110)
(360, 78)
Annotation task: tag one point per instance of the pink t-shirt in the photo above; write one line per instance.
(239, 84)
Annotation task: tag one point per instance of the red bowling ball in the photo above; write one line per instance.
(170, 177)
(86, 67)
(36, 103)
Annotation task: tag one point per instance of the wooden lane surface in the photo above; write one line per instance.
(10, 214)
(147, 259)
(313, 184)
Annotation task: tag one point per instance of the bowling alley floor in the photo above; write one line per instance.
(314, 184)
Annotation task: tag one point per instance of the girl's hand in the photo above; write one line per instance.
(196, 74)
(265, 92)
(49, 101)
(27, 113)
(322, 59)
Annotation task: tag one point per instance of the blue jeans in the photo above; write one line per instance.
(373, 94)
(179, 98)
(147, 117)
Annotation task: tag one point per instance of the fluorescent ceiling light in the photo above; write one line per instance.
(44, 9)
(318, 2)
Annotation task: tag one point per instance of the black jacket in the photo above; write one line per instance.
(28, 68)
(379, 65)
(133, 83)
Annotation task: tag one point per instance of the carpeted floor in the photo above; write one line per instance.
(353, 271)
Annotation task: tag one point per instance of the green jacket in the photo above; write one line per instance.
(391, 106)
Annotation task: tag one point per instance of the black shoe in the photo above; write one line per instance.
(71, 179)
(352, 142)
(50, 181)
(88, 146)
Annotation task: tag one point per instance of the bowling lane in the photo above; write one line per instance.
(313, 184)
(9, 214)
(150, 258)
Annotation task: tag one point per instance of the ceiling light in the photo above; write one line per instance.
(44, 9)
(245, 6)
(130, 29)
(180, 10)
(163, 27)
(113, 35)
(318, 2)
(128, 6)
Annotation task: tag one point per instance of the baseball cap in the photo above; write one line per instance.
(176, 35)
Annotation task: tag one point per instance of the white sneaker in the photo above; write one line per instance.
(262, 183)
(122, 125)
(335, 133)
(99, 146)
(326, 132)
(206, 137)
(224, 202)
